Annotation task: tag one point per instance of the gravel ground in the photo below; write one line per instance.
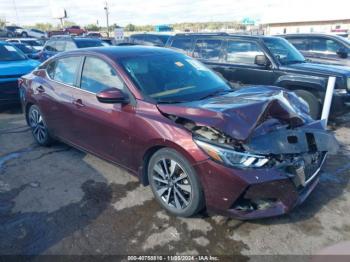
(59, 200)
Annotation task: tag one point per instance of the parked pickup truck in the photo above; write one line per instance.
(262, 60)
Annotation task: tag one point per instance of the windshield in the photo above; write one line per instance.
(31, 42)
(284, 52)
(88, 43)
(173, 78)
(27, 49)
(10, 53)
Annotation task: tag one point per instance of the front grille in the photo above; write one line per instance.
(10, 76)
(8, 89)
(10, 84)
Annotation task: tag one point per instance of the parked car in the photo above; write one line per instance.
(12, 29)
(6, 33)
(322, 48)
(36, 44)
(93, 35)
(56, 33)
(262, 60)
(64, 43)
(27, 50)
(31, 33)
(149, 39)
(13, 64)
(74, 30)
(180, 128)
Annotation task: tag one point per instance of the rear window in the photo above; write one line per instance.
(10, 53)
(88, 43)
(208, 49)
(182, 43)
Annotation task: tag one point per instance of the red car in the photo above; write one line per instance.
(74, 30)
(180, 128)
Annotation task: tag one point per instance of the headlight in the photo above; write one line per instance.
(231, 157)
(348, 84)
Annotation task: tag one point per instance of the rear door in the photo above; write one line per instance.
(239, 66)
(54, 95)
(101, 128)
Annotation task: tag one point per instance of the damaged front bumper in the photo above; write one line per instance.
(296, 158)
(254, 193)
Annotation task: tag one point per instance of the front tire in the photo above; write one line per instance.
(312, 101)
(38, 126)
(24, 34)
(174, 183)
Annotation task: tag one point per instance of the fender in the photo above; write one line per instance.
(308, 83)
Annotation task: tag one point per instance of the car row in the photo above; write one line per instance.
(264, 60)
(13, 64)
(180, 128)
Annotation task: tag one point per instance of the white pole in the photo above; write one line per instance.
(328, 100)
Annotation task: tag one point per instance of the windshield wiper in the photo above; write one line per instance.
(170, 101)
(294, 62)
(216, 93)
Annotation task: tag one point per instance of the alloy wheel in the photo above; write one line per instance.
(172, 184)
(37, 124)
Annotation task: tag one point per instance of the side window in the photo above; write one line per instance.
(98, 75)
(137, 39)
(50, 69)
(70, 46)
(60, 46)
(242, 52)
(324, 45)
(153, 40)
(299, 43)
(208, 49)
(51, 46)
(182, 43)
(66, 70)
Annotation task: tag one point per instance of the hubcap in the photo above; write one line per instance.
(172, 184)
(37, 125)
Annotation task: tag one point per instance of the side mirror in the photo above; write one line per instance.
(112, 96)
(261, 60)
(342, 52)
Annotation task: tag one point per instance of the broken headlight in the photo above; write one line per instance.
(231, 157)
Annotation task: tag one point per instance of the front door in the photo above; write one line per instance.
(239, 64)
(99, 127)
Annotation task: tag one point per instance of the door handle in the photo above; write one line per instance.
(40, 89)
(78, 103)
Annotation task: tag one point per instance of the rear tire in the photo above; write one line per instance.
(24, 34)
(312, 101)
(174, 183)
(38, 126)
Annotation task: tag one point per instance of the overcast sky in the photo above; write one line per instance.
(122, 12)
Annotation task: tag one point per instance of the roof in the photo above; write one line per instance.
(225, 35)
(23, 39)
(116, 52)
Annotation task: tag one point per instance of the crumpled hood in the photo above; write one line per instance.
(240, 114)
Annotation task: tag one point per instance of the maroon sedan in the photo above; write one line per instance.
(180, 128)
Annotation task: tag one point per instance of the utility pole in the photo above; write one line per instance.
(107, 13)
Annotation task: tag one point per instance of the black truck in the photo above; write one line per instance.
(263, 60)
